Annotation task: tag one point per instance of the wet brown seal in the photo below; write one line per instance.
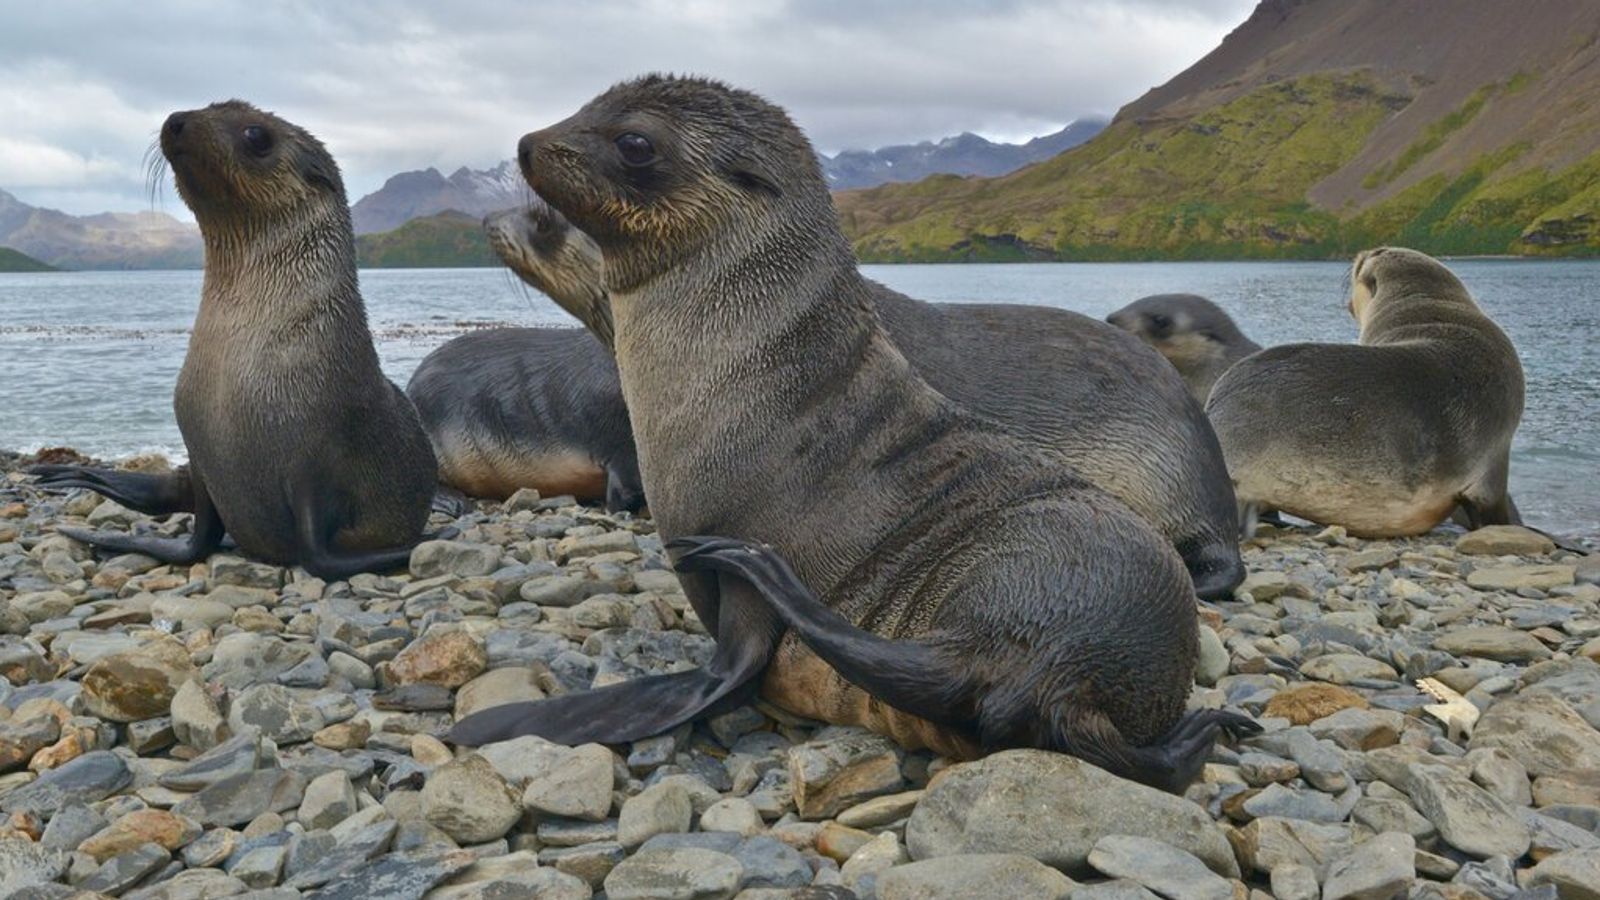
(1118, 413)
(1194, 334)
(299, 448)
(1387, 436)
(951, 585)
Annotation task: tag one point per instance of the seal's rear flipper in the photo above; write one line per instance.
(614, 714)
(205, 535)
(908, 675)
(149, 493)
(747, 632)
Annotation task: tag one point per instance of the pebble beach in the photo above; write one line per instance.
(1429, 707)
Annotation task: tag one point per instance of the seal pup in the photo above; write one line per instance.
(1194, 334)
(970, 591)
(1118, 413)
(299, 448)
(508, 408)
(1384, 437)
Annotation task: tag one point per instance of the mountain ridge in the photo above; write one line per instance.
(142, 240)
(1316, 127)
(962, 154)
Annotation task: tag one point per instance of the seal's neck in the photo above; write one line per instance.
(750, 375)
(283, 276)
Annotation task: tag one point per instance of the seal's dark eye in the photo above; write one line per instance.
(258, 139)
(1159, 322)
(636, 149)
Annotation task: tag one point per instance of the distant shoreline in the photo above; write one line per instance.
(1486, 257)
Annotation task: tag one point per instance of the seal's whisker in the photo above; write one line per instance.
(155, 170)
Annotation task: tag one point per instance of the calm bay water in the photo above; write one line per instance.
(89, 359)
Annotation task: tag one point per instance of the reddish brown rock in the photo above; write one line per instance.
(1306, 703)
(139, 684)
(448, 659)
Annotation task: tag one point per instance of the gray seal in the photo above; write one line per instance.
(1194, 334)
(1069, 383)
(299, 448)
(542, 408)
(1387, 436)
(863, 549)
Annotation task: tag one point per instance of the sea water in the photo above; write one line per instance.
(89, 359)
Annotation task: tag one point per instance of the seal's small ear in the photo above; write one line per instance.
(317, 169)
(749, 171)
(1365, 273)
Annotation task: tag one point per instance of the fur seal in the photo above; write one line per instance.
(862, 547)
(1194, 334)
(1100, 397)
(299, 448)
(507, 408)
(1386, 436)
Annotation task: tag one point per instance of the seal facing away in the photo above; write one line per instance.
(1194, 334)
(508, 408)
(879, 556)
(1077, 386)
(1387, 436)
(299, 448)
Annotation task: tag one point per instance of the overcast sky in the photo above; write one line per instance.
(391, 86)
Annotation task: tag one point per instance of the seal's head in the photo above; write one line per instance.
(544, 250)
(658, 168)
(1185, 328)
(232, 160)
(1382, 277)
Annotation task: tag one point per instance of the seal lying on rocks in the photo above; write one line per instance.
(951, 585)
(1387, 436)
(508, 408)
(1194, 334)
(1113, 408)
(299, 448)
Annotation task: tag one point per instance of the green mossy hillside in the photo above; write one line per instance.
(1231, 182)
(15, 261)
(447, 240)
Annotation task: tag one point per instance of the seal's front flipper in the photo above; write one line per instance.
(747, 632)
(151, 494)
(1170, 764)
(451, 502)
(909, 675)
(1488, 502)
(1215, 569)
(205, 535)
(613, 714)
(1174, 762)
(316, 522)
(624, 491)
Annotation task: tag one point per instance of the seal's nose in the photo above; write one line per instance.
(525, 153)
(174, 125)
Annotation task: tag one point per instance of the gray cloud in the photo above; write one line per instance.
(400, 85)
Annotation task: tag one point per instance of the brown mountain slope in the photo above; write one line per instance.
(1316, 126)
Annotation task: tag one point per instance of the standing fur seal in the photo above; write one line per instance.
(1387, 436)
(299, 448)
(1056, 378)
(951, 585)
(1194, 334)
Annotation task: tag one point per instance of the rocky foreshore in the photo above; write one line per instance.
(233, 729)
